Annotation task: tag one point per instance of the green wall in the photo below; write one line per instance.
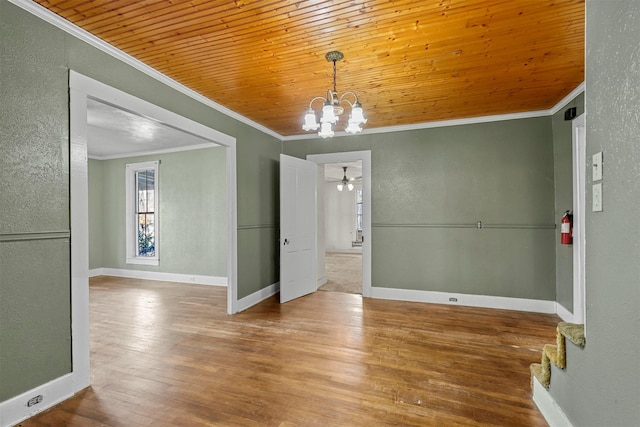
(601, 384)
(35, 329)
(563, 173)
(427, 183)
(35, 58)
(192, 217)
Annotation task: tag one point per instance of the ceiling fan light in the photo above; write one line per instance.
(350, 186)
(325, 130)
(310, 120)
(340, 187)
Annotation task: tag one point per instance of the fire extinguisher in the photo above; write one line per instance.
(566, 229)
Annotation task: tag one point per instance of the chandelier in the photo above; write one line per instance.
(332, 107)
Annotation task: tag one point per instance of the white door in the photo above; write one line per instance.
(298, 251)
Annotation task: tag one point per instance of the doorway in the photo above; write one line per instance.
(340, 204)
(82, 89)
(365, 238)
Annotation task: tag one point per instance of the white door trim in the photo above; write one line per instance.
(579, 209)
(82, 87)
(365, 157)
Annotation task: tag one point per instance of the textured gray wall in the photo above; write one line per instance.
(425, 181)
(35, 330)
(34, 61)
(601, 385)
(192, 196)
(563, 177)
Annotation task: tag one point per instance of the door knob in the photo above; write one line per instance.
(286, 241)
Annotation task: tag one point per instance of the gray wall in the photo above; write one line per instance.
(425, 182)
(34, 280)
(601, 385)
(192, 217)
(563, 174)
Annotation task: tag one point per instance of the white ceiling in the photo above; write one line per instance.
(113, 132)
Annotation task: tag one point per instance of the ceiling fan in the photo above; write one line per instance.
(346, 182)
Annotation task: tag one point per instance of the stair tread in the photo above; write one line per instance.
(573, 332)
(538, 373)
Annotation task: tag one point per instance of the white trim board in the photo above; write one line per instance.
(550, 409)
(564, 314)
(258, 296)
(504, 303)
(15, 410)
(160, 276)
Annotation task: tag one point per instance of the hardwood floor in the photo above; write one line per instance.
(166, 354)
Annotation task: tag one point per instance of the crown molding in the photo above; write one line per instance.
(72, 29)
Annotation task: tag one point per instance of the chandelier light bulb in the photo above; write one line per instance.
(325, 130)
(357, 115)
(353, 127)
(340, 187)
(350, 187)
(328, 115)
(310, 120)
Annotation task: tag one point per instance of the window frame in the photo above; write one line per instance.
(131, 213)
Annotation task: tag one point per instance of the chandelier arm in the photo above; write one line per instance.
(315, 98)
(342, 98)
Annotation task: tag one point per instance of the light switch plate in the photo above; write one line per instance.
(597, 166)
(597, 197)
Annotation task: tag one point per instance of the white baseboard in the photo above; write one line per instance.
(520, 304)
(564, 314)
(157, 275)
(257, 297)
(322, 281)
(15, 410)
(551, 411)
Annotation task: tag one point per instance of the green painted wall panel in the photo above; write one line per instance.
(192, 217)
(500, 173)
(262, 258)
(601, 386)
(35, 302)
(563, 172)
(498, 262)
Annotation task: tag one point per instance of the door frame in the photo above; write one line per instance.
(365, 157)
(579, 209)
(81, 88)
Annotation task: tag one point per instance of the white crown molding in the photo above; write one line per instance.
(154, 152)
(72, 29)
(456, 122)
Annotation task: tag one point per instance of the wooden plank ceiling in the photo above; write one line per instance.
(409, 61)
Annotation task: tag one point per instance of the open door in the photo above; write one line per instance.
(298, 250)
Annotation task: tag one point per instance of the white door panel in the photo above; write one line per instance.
(298, 251)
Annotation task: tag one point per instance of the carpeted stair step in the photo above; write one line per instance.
(557, 354)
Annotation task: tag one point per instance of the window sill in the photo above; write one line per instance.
(143, 261)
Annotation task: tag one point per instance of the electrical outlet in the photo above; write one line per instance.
(35, 400)
(597, 197)
(453, 299)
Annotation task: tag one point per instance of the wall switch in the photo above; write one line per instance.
(597, 166)
(597, 197)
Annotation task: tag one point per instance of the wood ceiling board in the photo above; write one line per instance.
(409, 62)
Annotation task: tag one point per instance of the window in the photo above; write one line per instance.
(142, 225)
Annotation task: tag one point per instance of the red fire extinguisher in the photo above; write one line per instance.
(566, 229)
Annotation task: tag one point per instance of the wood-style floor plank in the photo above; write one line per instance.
(167, 354)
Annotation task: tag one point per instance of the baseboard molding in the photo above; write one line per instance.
(551, 411)
(259, 296)
(15, 410)
(564, 314)
(322, 281)
(505, 303)
(156, 275)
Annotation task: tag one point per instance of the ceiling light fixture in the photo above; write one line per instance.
(345, 181)
(332, 108)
